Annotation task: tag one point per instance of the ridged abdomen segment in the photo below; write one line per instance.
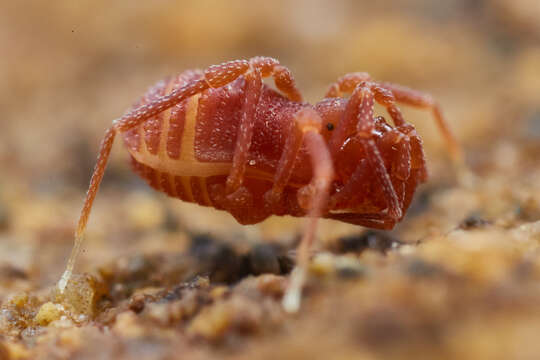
(187, 188)
(162, 134)
(176, 130)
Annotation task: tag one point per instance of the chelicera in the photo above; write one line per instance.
(222, 138)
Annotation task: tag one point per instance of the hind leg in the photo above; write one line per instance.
(95, 181)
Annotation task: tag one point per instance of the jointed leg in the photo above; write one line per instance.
(245, 131)
(386, 98)
(285, 166)
(358, 120)
(401, 167)
(261, 67)
(309, 123)
(282, 76)
(215, 76)
(347, 84)
(347, 193)
(418, 99)
(99, 170)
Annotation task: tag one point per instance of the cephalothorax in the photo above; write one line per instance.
(222, 138)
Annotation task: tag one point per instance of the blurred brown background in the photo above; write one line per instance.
(69, 68)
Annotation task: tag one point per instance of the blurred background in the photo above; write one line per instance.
(69, 67)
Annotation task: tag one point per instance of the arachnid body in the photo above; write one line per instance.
(222, 138)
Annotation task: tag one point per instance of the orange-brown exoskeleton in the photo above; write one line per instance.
(222, 138)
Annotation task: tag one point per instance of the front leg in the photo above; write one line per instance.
(347, 83)
(358, 121)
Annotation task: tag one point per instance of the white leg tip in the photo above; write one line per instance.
(62, 283)
(293, 294)
(291, 301)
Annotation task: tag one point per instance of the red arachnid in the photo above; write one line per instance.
(222, 138)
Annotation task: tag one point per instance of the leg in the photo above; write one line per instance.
(261, 67)
(386, 98)
(346, 84)
(282, 76)
(309, 123)
(401, 168)
(286, 163)
(400, 172)
(421, 100)
(245, 131)
(215, 76)
(99, 170)
(358, 120)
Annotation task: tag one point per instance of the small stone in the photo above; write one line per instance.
(219, 292)
(71, 338)
(159, 313)
(272, 285)
(368, 240)
(136, 304)
(263, 260)
(349, 267)
(19, 300)
(473, 221)
(17, 351)
(322, 264)
(81, 294)
(212, 322)
(127, 326)
(48, 313)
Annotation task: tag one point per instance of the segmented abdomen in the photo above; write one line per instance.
(162, 134)
(187, 188)
(186, 151)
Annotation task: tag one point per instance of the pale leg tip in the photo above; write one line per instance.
(291, 302)
(62, 283)
(293, 294)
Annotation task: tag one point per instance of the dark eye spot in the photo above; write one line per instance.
(330, 126)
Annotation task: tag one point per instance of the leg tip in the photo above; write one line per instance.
(291, 302)
(62, 283)
(293, 294)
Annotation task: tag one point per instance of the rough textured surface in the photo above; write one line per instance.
(457, 279)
